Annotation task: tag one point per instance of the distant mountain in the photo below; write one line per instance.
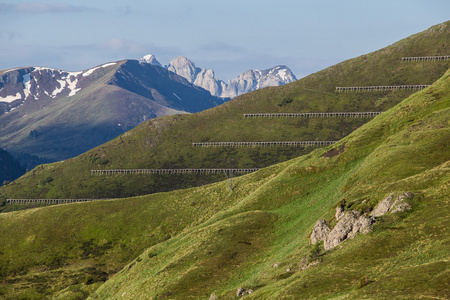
(10, 169)
(58, 114)
(246, 82)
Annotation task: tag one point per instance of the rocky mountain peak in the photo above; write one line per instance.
(149, 59)
(184, 67)
(246, 82)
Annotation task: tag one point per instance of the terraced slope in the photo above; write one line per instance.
(167, 142)
(194, 243)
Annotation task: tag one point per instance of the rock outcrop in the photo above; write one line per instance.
(353, 222)
(241, 292)
(389, 205)
(320, 231)
(400, 203)
(347, 227)
(384, 206)
(339, 212)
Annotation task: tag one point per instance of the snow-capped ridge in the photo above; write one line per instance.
(37, 82)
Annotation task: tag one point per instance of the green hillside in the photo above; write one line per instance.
(167, 142)
(207, 242)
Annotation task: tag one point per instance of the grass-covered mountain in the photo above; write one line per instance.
(10, 168)
(57, 114)
(167, 142)
(209, 242)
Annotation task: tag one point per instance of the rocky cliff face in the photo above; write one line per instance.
(244, 83)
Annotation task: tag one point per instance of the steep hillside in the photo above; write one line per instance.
(10, 168)
(167, 142)
(58, 115)
(210, 242)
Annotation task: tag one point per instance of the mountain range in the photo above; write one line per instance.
(265, 235)
(249, 81)
(58, 115)
(53, 114)
(167, 142)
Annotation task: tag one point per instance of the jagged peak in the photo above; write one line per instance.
(181, 60)
(149, 59)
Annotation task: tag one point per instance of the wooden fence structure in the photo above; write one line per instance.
(265, 144)
(369, 114)
(427, 58)
(173, 171)
(48, 201)
(381, 88)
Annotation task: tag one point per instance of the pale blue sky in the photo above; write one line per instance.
(229, 37)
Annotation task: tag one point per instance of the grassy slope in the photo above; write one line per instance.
(191, 243)
(404, 149)
(166, 142)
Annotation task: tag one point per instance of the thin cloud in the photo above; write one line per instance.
(43, 8)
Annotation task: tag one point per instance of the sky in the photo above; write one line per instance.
(229, 36)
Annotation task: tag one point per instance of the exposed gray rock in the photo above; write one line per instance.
(361, 225)
(339, 212)
(213, 296)
(400, 203)
(241, 292)
(353, 222)
(256, 79)
(320, 231)
(384, 206)
(184, 67)
(246, 82)
(389, 205)
(206, 79)
(349, 225)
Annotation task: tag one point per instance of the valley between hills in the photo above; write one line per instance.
(219, 236)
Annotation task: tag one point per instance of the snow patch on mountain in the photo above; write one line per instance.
(177, 96)
(56, 91)
(39, 82)
(90, 71)
(72, 85)
(11, 98)
(149, 59)
(27, 85)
